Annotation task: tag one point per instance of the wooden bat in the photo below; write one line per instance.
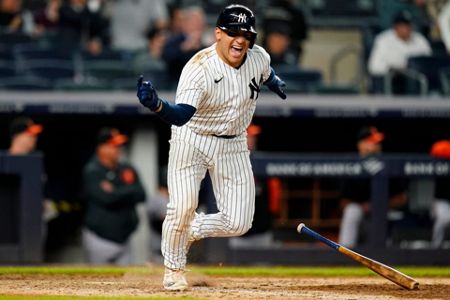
(387, 272)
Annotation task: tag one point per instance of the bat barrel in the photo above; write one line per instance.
(382, 269)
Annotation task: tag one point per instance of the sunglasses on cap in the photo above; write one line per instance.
(235, 33)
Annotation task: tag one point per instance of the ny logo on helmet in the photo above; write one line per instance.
(242, 18)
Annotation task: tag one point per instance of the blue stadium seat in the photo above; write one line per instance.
(50, 69)
(7, 69)
(430, 67)
(300, 80)
(27, 83)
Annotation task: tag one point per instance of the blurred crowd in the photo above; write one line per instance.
(99, 44)
(106, 44)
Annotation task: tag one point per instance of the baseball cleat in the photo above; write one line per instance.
(174, 280)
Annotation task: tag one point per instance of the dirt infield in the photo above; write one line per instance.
(221, 287)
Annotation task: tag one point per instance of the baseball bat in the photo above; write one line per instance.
(387, 272)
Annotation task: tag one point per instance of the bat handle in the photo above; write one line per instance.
(302, 228)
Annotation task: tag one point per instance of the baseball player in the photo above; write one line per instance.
(215, 101)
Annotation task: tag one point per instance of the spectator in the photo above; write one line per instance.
(392, 48)
(13, 18)
(47, 19)
(132, 19)
(418, 9)
(355, 193)
(176, 21)
(24, 137)
(444, 25)
(282, 14)
(278, 44)
(80, 27)
(181, 47)
(111, 190)
(151, 58)
(440, 209)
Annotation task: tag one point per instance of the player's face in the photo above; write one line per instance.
(27, 142)
(232, 46)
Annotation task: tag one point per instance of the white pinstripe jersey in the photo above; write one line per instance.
(225, 97)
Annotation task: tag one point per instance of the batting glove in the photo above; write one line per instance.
(147, 95)
(274, 83)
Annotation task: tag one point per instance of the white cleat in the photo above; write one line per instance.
(174, 280)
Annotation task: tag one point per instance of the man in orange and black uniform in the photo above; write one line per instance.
(111, 190)
(440, 208)
(355, 192)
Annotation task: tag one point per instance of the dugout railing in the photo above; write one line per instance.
(378, 169)
(21, 204)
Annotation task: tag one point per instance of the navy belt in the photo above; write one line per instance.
(225, 136)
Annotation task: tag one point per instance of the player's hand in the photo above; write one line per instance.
(147, 95)
(275, 84)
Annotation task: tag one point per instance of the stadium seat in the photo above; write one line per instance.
(300, 80)
(430, 67)
(7, 69)
(445, 80)
(107, 54)
(6, 53)
(27, 83)
(12, 39)
(50, 69)
(107, 70)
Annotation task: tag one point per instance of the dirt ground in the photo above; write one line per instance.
(223, 287)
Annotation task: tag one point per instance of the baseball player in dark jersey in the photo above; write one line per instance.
(215, 101)
(440, 208)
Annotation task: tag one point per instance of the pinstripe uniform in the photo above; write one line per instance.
(214, 139)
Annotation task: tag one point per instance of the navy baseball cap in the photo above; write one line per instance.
(24, 125)
(370, 134)
(402, 17)
(111, 136)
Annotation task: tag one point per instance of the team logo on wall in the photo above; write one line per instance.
(373, 166)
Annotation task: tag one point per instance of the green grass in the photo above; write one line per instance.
(228, 270)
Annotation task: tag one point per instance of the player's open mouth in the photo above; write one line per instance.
(236, 51)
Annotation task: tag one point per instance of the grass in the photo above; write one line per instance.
(331, 271)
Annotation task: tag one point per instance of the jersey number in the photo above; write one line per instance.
(254, 88)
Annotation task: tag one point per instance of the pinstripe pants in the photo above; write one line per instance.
(228, 162)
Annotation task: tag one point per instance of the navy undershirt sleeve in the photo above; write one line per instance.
(176, 114)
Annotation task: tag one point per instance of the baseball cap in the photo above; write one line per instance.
(24, 124)
(112, 136)
(403, 16)
(279, 27)
(253, 130)
(370, 134)
(441, 149)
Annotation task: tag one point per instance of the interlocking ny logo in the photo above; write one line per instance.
(242, 18)
(373, 165)
(254, 88)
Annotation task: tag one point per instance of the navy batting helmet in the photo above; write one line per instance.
(238, 17)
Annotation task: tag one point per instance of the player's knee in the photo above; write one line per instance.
(239, 228)
(181, 213)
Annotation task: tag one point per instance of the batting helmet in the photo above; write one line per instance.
(238, 17)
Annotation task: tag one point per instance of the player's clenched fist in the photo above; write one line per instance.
(147, 95)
